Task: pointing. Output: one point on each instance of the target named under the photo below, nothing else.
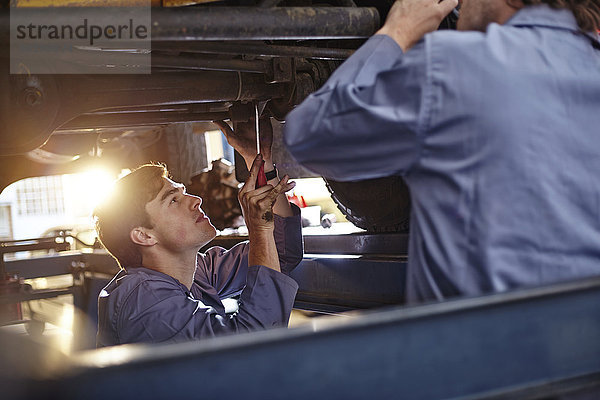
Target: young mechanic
(494, 128)
(169, 292)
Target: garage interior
(351, 335)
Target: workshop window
(41, 195)
(5, 222)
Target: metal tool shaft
(256, 128)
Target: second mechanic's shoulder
(495, 43)
(452, 42)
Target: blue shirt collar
(544, 15)
(155, 273)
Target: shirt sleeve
(288, 239)
(160, 311)
(225, 270)
(364, 122)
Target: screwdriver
(261, 180)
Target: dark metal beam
(365, 244)
(359, 244)
(113, 91)
(40, 294)
(67, 98)
(197, 63)
(62, 263)
(257, 23)
(15, 246)
(255, 49)
(101, 61)
(139, 119)
(234, 23)
(542, 341)
(341, 282)
(47, 243)
(43, 266)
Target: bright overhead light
(87, 189)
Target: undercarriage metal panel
(536, 342)
(365, 244)
(341, 283)
(255, 49)
(62, 263)
(395, 244)
(337, 279)
(346, 272)
(63, 98)
(36, 105)
(276, 23)
(237, 23)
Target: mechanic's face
(179, 223)
(476, 15)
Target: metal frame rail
(524, 344)
(338, 272)
(347, 272)
(14, 246)
(84, 267)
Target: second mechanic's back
(496, 135)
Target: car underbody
(209, 62)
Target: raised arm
(226, 270)
(365, 121)
(287, 224)
(244, 141)
(257, 208)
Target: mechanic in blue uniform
(494, 127)
(169, 292)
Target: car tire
(376, 205)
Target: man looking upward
(167, 291)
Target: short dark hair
(587, 12)
(125, 208)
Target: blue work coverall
(497, 135)
(144, 305)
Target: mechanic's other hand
(257, 204)
(409, 20)
(244, 138)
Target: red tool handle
(261, 180)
